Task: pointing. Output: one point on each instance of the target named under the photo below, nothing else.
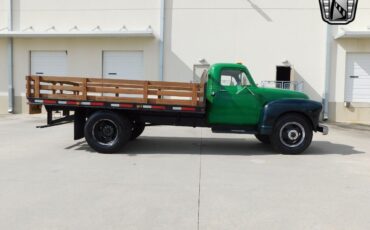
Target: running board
(234, 130)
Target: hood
(272, 94)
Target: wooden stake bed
(81, 91)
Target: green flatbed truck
(227, 100)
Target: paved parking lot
(180, 178)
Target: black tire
(107, 132)
(265, 139)
(137, 129)
(292, 134)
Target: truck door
(234, 103)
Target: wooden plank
(117, 94)
(116, 99)
(60, 87)
(90, 84)
(113, 90)
(188, 88)
(84, 89)
(69, 83)
(28, 86)
(32, 77)
(37, 87)
(158, 93)
(62, 79)
(170, 102)
(195, 95)
(145, 96)
(54, 91)
(61, 96)
(116, 81)
(170, 93)
(168, 83)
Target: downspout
(161, 41)
(327, 71)
(10, 61)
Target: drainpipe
(327, 71)
(161, 40)
(10, 61)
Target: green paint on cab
(233, 98)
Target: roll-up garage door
(123, 65)
(358, 77)
(51, 63)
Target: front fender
(272, 111)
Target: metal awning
(353, 34)
(34, 34)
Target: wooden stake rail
(109, 90)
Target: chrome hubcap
(292, 134)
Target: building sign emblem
(338, 12)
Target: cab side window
(234, 78)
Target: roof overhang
(353, 34)
(89, 34)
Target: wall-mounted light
(286, 63)
(203, 61)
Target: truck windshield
(234, 78)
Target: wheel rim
(292, 134)
(105, 132)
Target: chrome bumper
(323, 129)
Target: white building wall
(261, 34)
(85, 14)
(4, 14)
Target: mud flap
(79, 124)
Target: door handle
(39, 73)
(354, 76)
(214, 93)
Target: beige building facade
(123, 38)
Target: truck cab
(236, 104)
(234, 98)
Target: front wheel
(292, 134)
(107, 132)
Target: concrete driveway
(180, 178)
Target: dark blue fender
(275, 109)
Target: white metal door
(123, 65)
(52, 63)
(358, 77)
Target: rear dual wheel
(108, 132)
